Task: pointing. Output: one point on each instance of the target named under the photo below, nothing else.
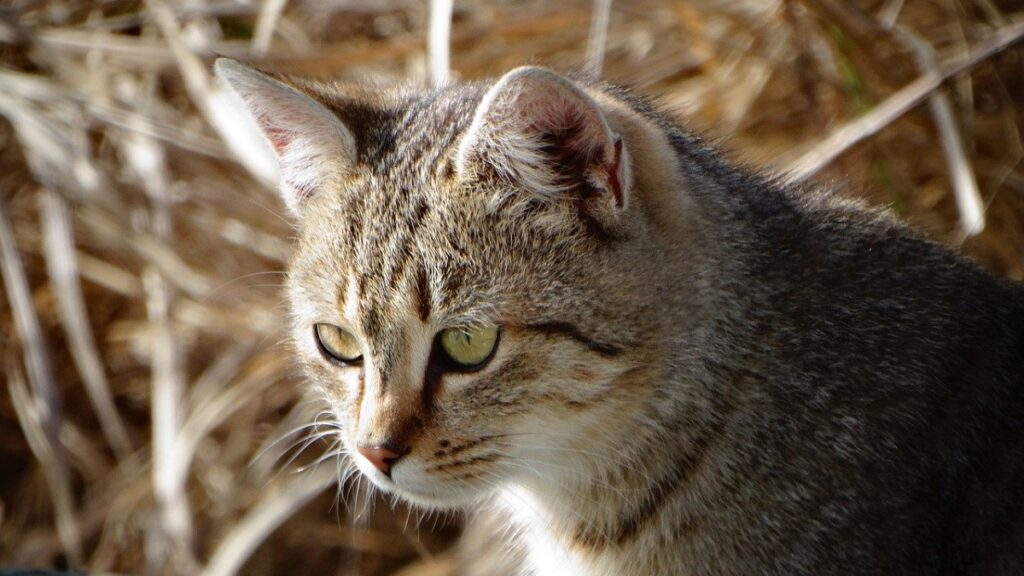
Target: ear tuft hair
(313, 147)
(540, 131)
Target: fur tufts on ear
(540, 131)
(312, 146)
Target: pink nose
(382, 457)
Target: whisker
(285, 435)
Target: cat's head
(472, 285)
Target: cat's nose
(383, 457)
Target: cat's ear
(542, 132)
(313, 147)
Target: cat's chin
(426, 494)
(436, 500)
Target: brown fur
(699, 371)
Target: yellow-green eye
(337, 344)
(469, 347)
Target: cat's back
(896, 370)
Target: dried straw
(141, 238)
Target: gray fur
(726, 376)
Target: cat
(538, 297)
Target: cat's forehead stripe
(423, 295)
(420, 137)
(391, 255)
(426, 132)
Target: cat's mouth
(411, 481)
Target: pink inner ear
(279, 136)
(577, 139)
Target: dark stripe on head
(422, 208)
(404, 235)
(423, 295)
(356, 211)
(569, 330)
(342, 296)
(364, 280)
(455, 279)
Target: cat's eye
(337, 344)
(469, 348)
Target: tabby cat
(539, 298)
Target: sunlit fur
(712, 375)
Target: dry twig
(842, 139)
(63, 270)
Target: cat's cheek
(346, 392)
(338, 388)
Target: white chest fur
(545, 554)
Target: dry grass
(151, 407)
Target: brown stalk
(63, 269)
(820, 154)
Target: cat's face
(463, 314)
(475, 352)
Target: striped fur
(699, 371)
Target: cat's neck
(596, 530)
(647, 468)
(601, 520)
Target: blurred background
(150, 421)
